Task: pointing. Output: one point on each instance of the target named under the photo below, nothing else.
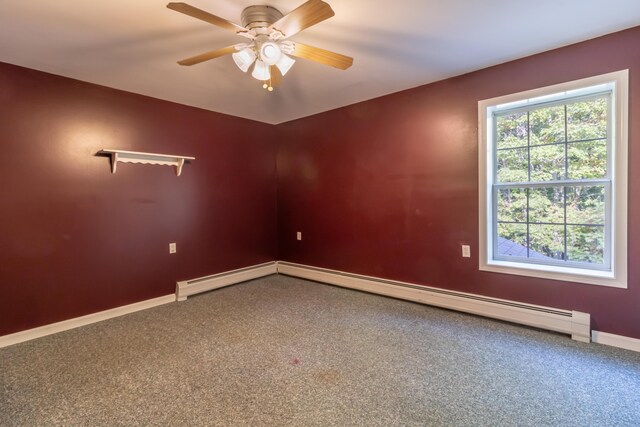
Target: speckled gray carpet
(283, 351)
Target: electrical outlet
(466, 251)
(172, 248)
(299, 235)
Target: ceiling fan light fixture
(261, 71)
(244, 58)
(268, 31)
(270, 53)
(285, 63)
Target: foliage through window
(553, 170)
(551, 186)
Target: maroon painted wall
(389, 187)
(75, 239)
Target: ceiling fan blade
(308, 14)
(208, 55)
(322, 56)
(276, 76)
(194, 12)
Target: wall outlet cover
(466, 251)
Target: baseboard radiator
(187, 288)
(574, 323)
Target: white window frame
(617, 158)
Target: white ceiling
(133, 45)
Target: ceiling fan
(268, 49)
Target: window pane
(586, 205)
(587, 119)
(512, 130)
(547, 240)
(547, 163)
(587, 159)
(552, 179)
(546, 205)
(512, 204)
(585, 244)
(547, 125)
(512, 165)
(512, 240)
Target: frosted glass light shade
(244, 58)
(285, 63)
(261, 71)
(270, 53)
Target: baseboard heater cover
(574, 323)
(187, 288)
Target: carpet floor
(284, 351)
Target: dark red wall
(389, 187)
(75, 239)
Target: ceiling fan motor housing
(259, 16)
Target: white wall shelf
(145, 158)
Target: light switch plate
(299, 235)
(172, 248)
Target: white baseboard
(613, 340)
(184, 289)
(187, 288)
(65, 325)
(574, 323)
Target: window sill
(591, 277)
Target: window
(553, 182)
